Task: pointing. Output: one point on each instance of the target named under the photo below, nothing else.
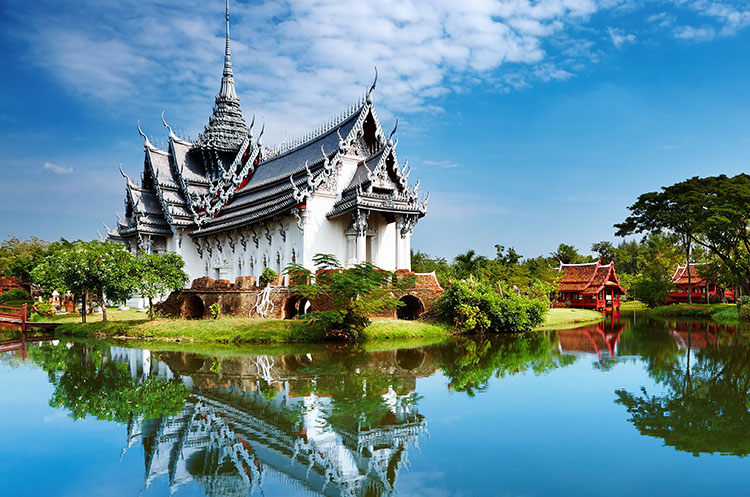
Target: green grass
(394, 329)
(113, 314)
(570, 318)
(716, 312)
(133, 325)
(633, 305)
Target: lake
(632, 406)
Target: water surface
(629, 407)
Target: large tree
(712, 212)
(96, 269)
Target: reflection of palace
(238, 427)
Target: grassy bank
(133, 325)
(227, 329)
(716, 312)
(633, 305)
(570, 318)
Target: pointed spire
(227, 79)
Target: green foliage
(470, 362)
(711, 213)
(215, 310)
(158, 275)
(14, 294)
(95, 268)
(87, 384)
(344, 297)
(605, 250)
(267, 276)
(651, 291)
(476, 307)
(18, 257)
(568, 254)
(43, 308)
(702, 400)
(215, 366)
(743, 308)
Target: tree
(91, 268)
(346, 297)
(702, 403)
(468, 264)
(605, 250)
(568, 254)
(159, 274)
(712, 212)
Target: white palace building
(232, 207)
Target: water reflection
(703, 407)
(341, 420)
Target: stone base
(242, 297)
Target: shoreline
(719, 313)
(131, 326)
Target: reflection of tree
(705, 406)
(470, 362)
(87, 383)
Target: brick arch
(412, 308)
(193, 307)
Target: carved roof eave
(157, 186)
(225, 186)
(379, 203)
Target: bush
(215, 310)
(267, 276)
(652, 292)
(43, 309)
(473, 307)
(15, 294)
(743, 308)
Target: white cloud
(619, 37)
(691, 33)
(297, 62)
(445, 164)
(57, 169)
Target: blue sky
(530, 122)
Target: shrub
(44, 309)
(267, 276)
(743, 307)
(473, 307)
(653, 292)
(15, 294)
(215, 310)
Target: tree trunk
(104, 306)
(83, 306)
(150, 309)
(690, 276)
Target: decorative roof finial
(146, 142)
(227, 80)
(368, 98)
(125, 175)
(390, 137)
(172, 136)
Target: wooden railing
(17, 314)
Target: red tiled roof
(587, 278)
(680, 276)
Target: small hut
(589, 286)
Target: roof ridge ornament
(390, 137)
(368, 96)
(172, 136)
(146, 142)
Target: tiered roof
(589, 278)
(227, 179)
